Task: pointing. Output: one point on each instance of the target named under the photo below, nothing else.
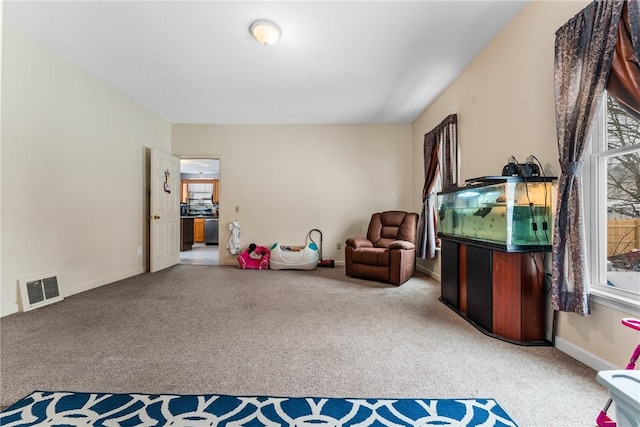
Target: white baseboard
(8, 309)
(105, 281)
(591, 360)
(234, 263)
(66, 292)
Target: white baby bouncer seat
(284, 257)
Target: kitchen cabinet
(216, 191)
(198, 230)
(199, 186)
(184, 192)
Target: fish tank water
(506, 212)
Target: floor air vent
(39, 291)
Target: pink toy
(603, 419)
(254, 257)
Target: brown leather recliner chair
(388, 254)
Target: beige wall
(601, 335)
(73, 172)
(288, 179)
(1, 33)
(505, 106)
(74, 161)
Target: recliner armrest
(359, 242)
(401, 244)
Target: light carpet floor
(209, 329)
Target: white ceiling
(336, 62)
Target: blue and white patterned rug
(43, 408)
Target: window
(612, 208)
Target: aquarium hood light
(469, 194)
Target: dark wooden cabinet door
(186, 234)
(479, 286)
(449, 273)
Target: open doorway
(199, 211)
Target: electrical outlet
(338, 246)
(139, 250)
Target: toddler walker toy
(328, 263)
(603, 420)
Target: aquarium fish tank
(510, 213)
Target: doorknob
(154, 217)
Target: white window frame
(595, 215)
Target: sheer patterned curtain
(440, 160)
(583, 55)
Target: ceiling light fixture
(265, 31)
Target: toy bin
(624, 389)
(285, 257)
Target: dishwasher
(211, 231)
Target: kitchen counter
(198, 229)
(186, 233)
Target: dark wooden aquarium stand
(501, 293)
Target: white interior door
(165, 211)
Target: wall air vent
(38, 291)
